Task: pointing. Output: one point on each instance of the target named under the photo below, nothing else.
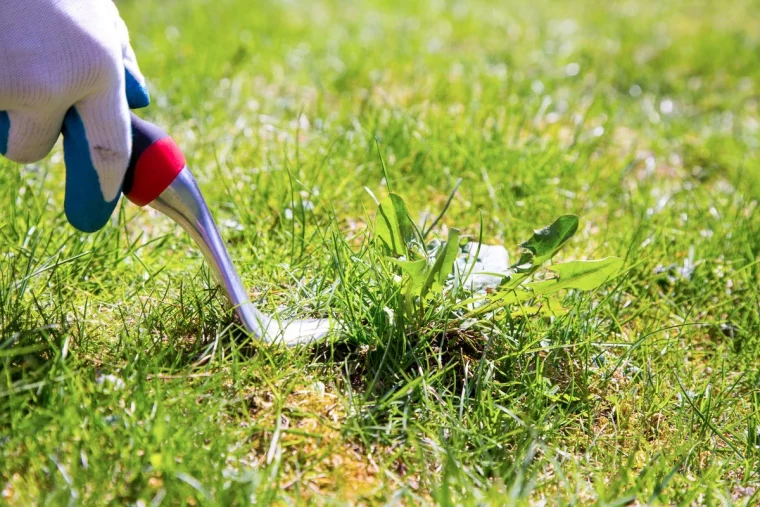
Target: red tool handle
(156, 161)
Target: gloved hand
(66, 65)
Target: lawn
(123, 378)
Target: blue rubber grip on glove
(5, 128)
(84, 204)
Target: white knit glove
(67, 64)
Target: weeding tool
(158, 177)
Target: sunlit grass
(124, 379)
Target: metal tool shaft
(183, 202)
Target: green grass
(123, 379)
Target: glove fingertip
(84, 205)
(5, 128)
(137, 94)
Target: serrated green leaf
(547, 241)
(393, 226)
(583, 275)
(587, 275)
